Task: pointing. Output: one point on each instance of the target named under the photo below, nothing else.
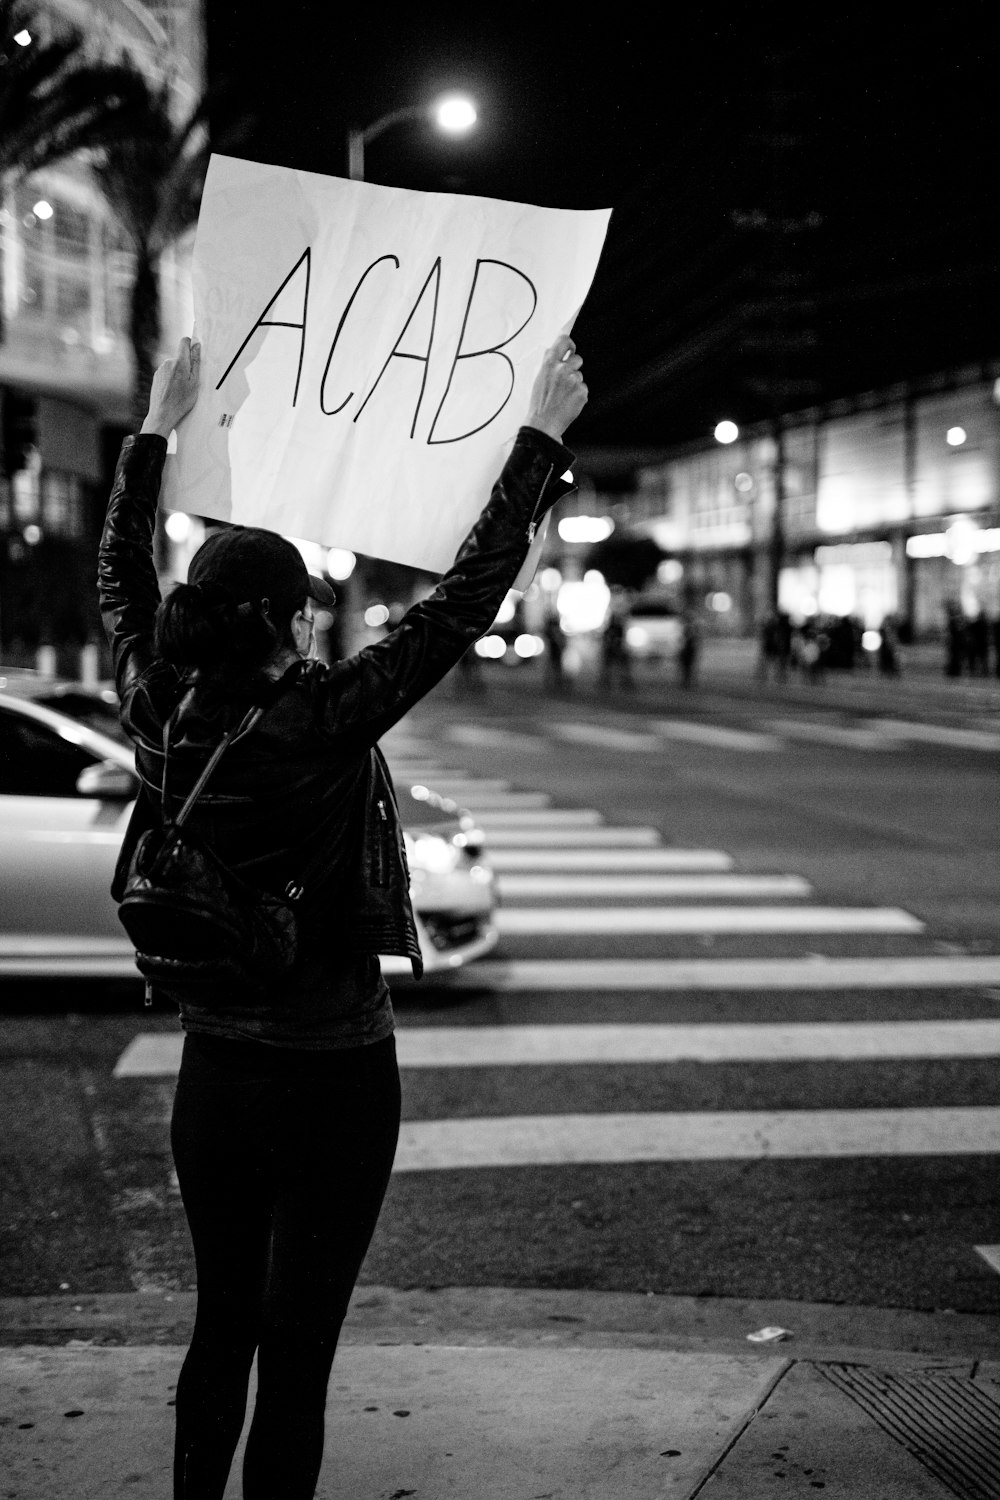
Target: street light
(726, 432)
(453, 113)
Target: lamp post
(452, 113)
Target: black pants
(283, 1159)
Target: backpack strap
(296, 886)
(247, 723)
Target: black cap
(255, 564)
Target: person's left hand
(174, 390)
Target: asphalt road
(874, 819)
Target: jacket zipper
(380, 842)
(533, 523)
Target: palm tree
(54, 100)
(152, 180)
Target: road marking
(927, 972)
(589, 837)
(77, 836)
(990, 1254)
(549, 817)
(610, 859)
(158, 1054)
(492, 736)
(589, 921)
(715, 735)
(463, 784)
(555, 886)
(606, 739)
(554, 1140)
(935, 734)
(515, 1046)
(46, 945)
(829, 734)
(429, 775)
(490, 802)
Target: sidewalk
(729, 666)
(492, 1394)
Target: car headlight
(432, 854)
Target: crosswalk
(771, 736)
(568, 876)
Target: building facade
(66, 370)
(889, 506)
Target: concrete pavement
(501, 1394)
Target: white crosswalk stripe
(923, 972)
(549, 817)
(715, 735)
(557, 1140)
(553, 886)
(935, 734)
(521, 835)
(493, 737)
(557, 860)
(650, 735)
(586, 921)
(605, 738)
(504, 804)
(155, 1055)
(842, 736)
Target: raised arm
(372, 690)
(126, 577)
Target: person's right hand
(174, 389)
(559, 393)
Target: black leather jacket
(308, 785)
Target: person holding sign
(287, 1106)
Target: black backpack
(194, 922)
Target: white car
(67, 783)
(654, 631)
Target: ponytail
(201, 625)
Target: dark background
(803, 208)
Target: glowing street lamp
(726, 432)
(452, 113)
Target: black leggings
(283, 1159)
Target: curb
(523, 1317)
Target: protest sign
(368, 354)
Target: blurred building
(66, 371)
(891, 506)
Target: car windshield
(92, 709)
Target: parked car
(67, 784)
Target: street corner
(81, 1420)
(506, 1422)
(855, 1431)
(434, 1419)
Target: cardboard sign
(368, 354)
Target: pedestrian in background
(616, 659)
(775, 646)
(555, 647)
(888, 648)
(955, 647)
(690, 647)
(287, 1105)
(977, 644)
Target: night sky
(799, 213)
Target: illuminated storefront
(890, 507)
